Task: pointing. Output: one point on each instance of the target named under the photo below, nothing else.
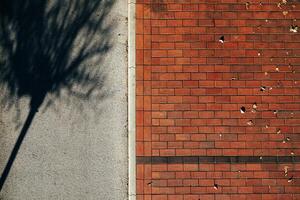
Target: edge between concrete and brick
(131, 102)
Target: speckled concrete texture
(75, 148)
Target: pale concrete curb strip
(131, 102)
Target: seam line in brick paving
(216, 159)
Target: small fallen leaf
(278, 131)
(263, 88)
(286, 169)
(285, 13)
(243, 110)
(279, 5)
(285, 140)
(222, 39)
(216, 186)
(250, 122)
(294, 28)
(277, 69)
(247, 5)
(254, 107)
(290, 179)
(275, 112)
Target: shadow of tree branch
(43, 48)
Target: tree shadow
(44, 46)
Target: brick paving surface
(218, 99)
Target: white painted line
(131, 102)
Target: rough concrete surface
(74, 149)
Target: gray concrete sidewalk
(74, 149)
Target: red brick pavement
(218, 120)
